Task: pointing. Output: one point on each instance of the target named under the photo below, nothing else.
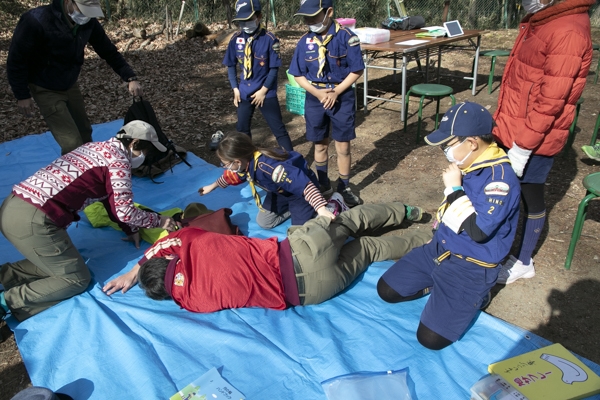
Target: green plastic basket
(294, 99)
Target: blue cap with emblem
(245, 9)
(310, 8)
(463, 119)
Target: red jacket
(544, 77)
(217, 272)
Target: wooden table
(434, 46)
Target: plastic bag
(386, 385)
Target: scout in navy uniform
(476, 225)
(257, 52)
(290, 184)
(326, 63)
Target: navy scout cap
(245, 9)
(310, 8)
(463, 119)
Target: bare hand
(236, 97)
(122, 282)
(329, 99)
(135, 88)
(258, 98)
(26, 107)
(324, 212)
(452, 176)
(207, 189)
(135, 238)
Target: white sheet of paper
(412, 42)
(433, 28)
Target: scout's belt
(446, 254)
(324, 85)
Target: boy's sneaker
(487, 299)
(413, 213)
(336, 204)
(350, 198)
(215, 139)
(514, 269)
(326, 190)
(592, 152)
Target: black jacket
(48, 51)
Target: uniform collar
(493, 155)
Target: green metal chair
(596, 47)
(493, 54)
(592, 185)
(595, 133)
(571, 138)
(427, 90)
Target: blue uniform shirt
(495, 193)
(265, 54)
(343, 56)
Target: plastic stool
(571, 138)
(493, 54)
(596, 47)
(427, 90)
(592, 184)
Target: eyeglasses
(446, 145)
(227, 165)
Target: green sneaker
(413, 213)
(592, 152)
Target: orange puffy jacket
(544, 77)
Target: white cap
(141, 130)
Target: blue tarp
(127, 346)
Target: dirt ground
(187, 85)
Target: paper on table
(412, 42)
(433, 28)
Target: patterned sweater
(96, 171)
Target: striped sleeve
(314, 196)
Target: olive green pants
(53, 269)
(329, 264)
(64, 112)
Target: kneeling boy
(474, 231)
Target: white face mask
(449, 152)
(137, 161)
(320, 27)
(533, 6)
(78, 17)
(249, 27)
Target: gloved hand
(518, 158)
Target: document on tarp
(209, 386)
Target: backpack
(156, 161)
(403, 23)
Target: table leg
(475, 65)
(426, 65)
(439, 77)
(402, 108)
(365, 82)
(395, 63)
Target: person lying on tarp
(205, 272)
(34, 218)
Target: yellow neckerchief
(248, 52)
(323, 49)
(251, 181)
(493, 155)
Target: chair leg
(437, 112)
(453, 99)
(420, 117)
(571, 137)
(597, 70)
(406, 109)
(595, 133)
(491, 77)
(581, 212)
(472, 72)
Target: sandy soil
(188, 87)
